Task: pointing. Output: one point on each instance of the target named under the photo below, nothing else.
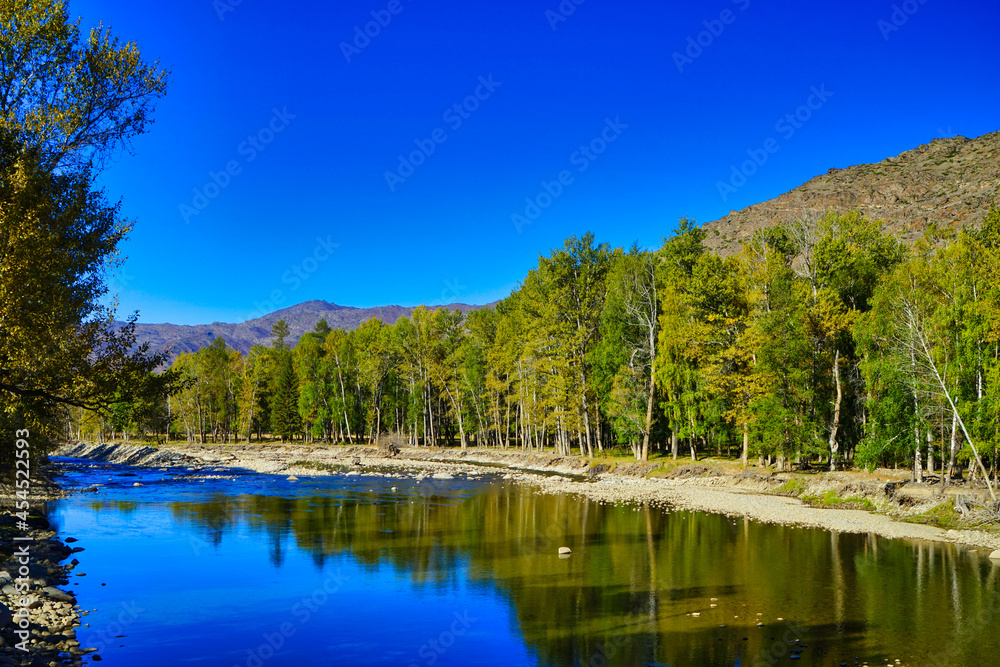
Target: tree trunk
(950, 469)
(745, 458)
(930, 452)
(961, 422)
(835, 426)
(918, 470)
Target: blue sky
(273, 173)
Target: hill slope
(300, 318)
(946, 182)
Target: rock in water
(995, 555)
(292, 478)
(56, 594)
(565, 550)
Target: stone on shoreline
(56, 594)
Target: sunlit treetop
(73, 97)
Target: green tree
(377, 356)
(630, 326)
(285, 392)
(63, 107)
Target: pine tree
(285, 401)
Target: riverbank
(53, 615)
(823, 500)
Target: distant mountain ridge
(178, 338)
(947, 182)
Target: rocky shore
(33, 557)
(832, 499)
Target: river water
(343, 570)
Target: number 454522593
(23, 468)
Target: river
(346, 570)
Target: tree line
(829, 343)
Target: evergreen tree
(285, 399)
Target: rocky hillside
(947, 182)
(301, 318)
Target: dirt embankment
(885, 503)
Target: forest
(826, 343)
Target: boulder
(56, 594)
(565, 550)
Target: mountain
(300, 318)
(948, 182)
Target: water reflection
(646, 586)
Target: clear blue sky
(309, 213)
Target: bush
(390, 444)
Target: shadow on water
(643, 587)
